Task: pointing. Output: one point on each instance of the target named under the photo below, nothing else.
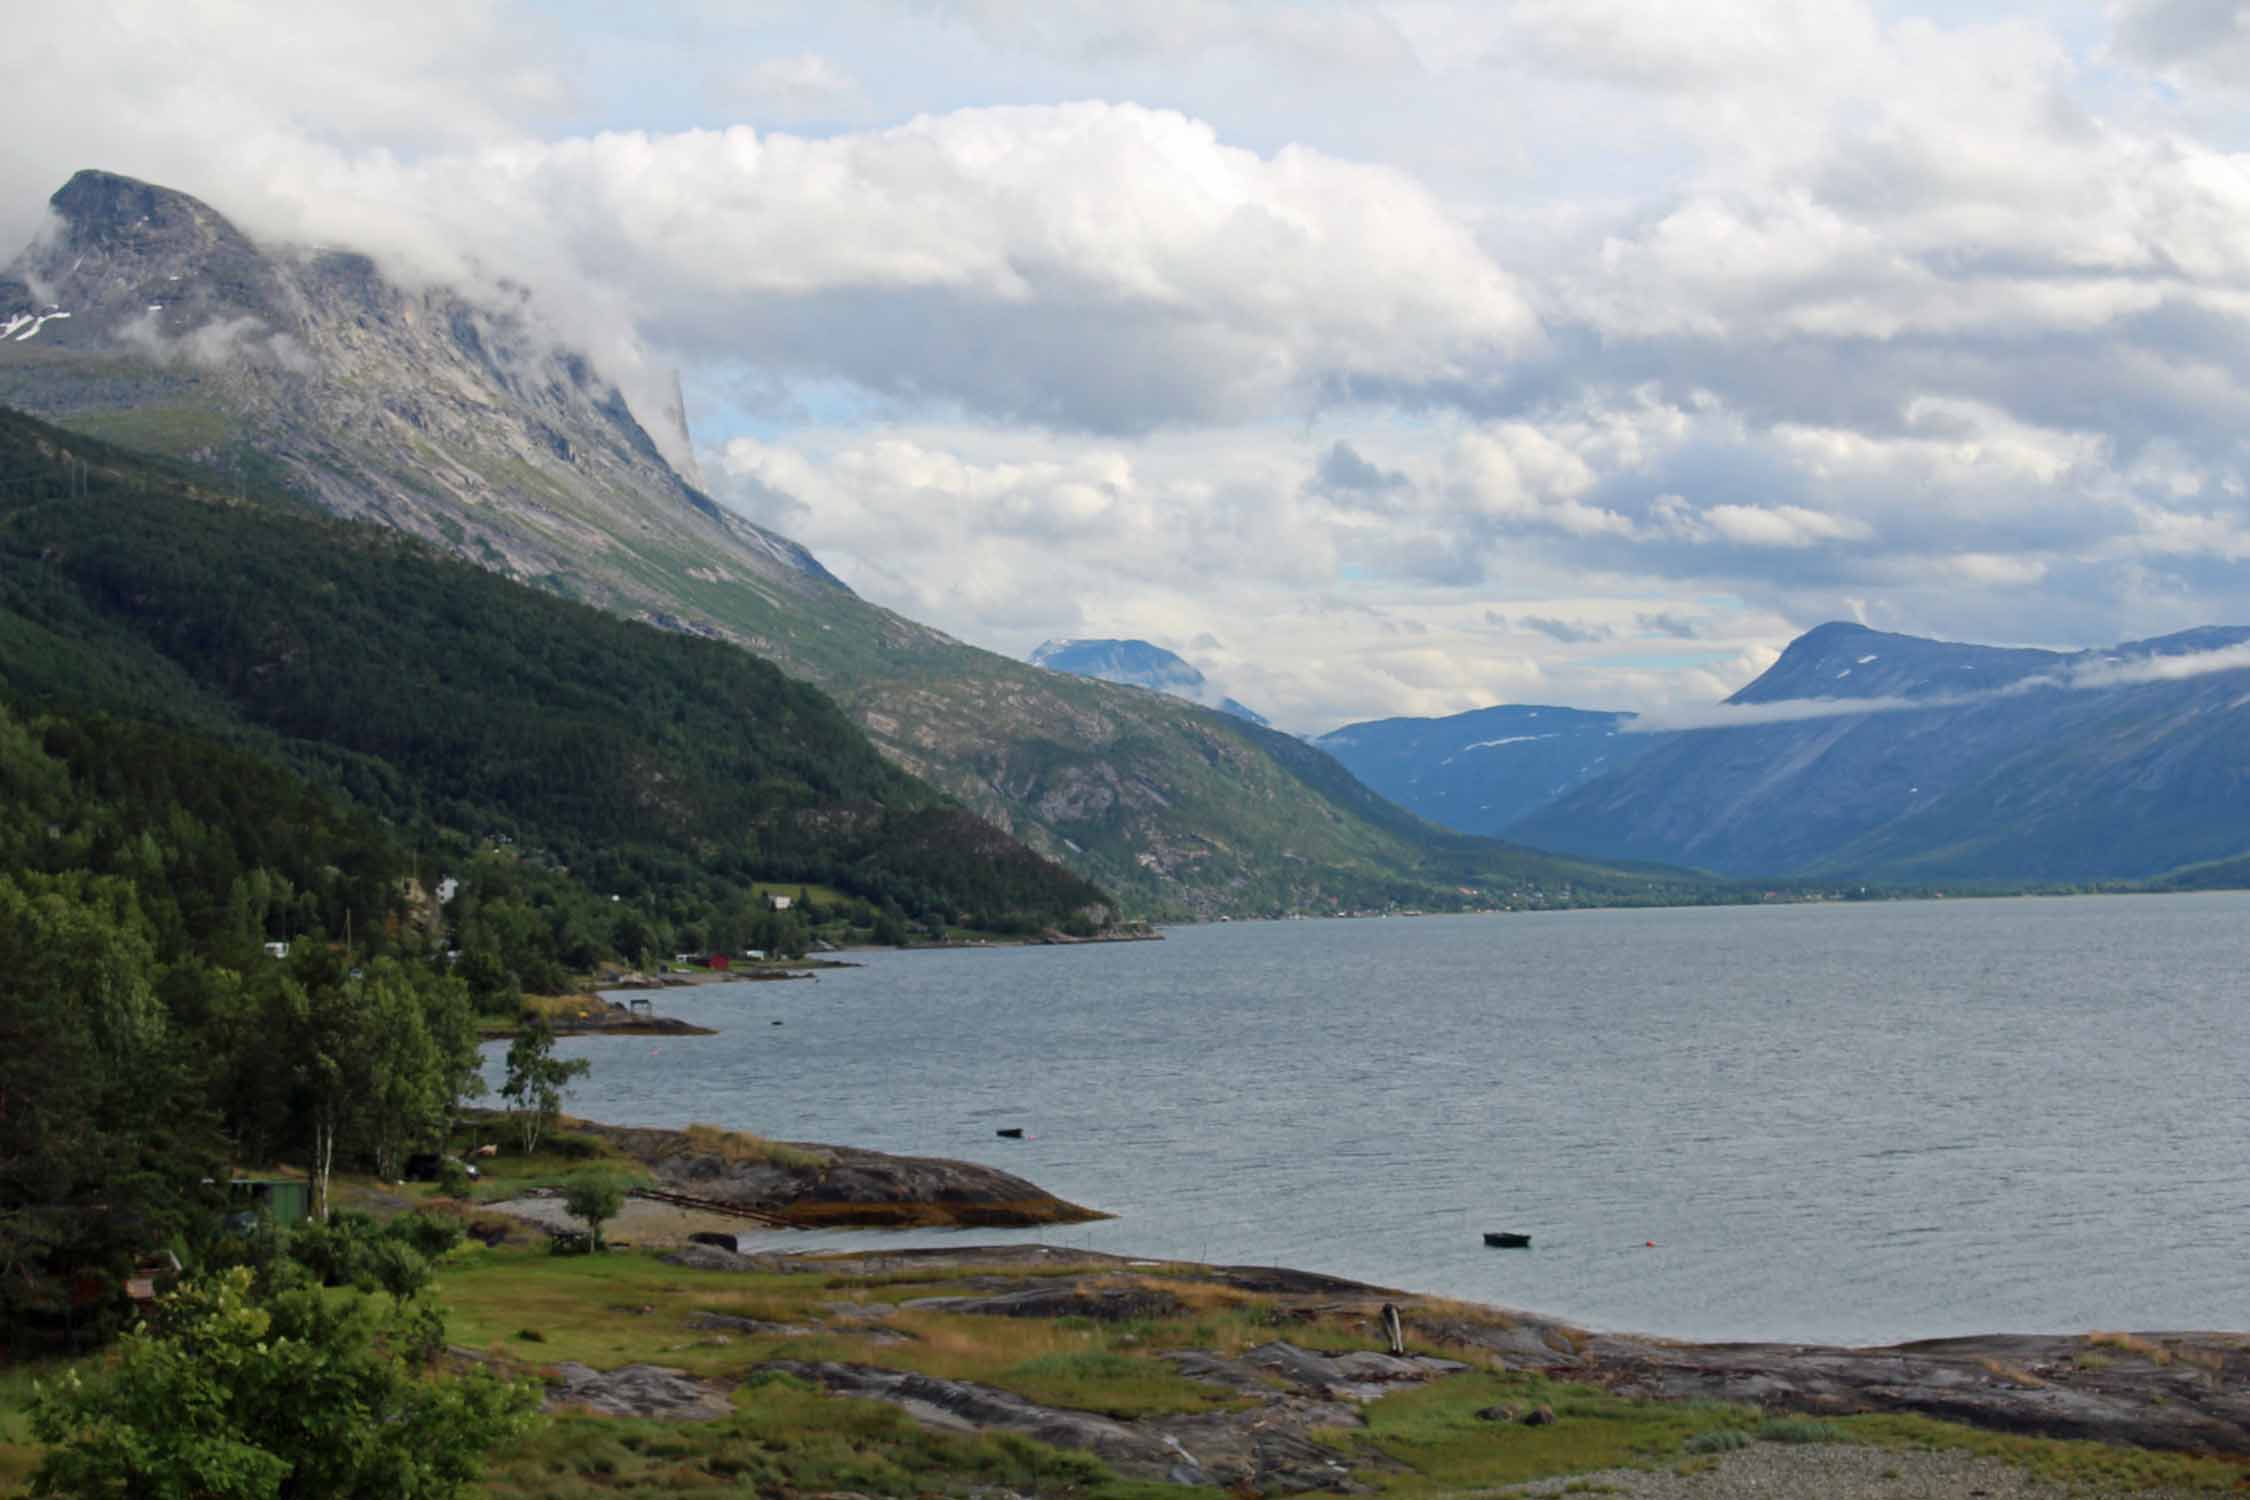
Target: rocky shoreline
(2179, 1391)
(807, 1185)
(1285, 1409)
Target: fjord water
(1842, 1123)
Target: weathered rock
(1265, 1451)
(1363, 1375)
(712, 1258)
(711, 1322)
(1539, 1416)
(959, 1406)
(816, 1186)
(637, 1391)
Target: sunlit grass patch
(1077, 1366)
(2132, 1343)
(1435, 1432)
(742, 1146)
(583, 1307)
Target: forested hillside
(664, 769)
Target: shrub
(302, 1394)
(1798, 1430)
(453, 1179)
(430, 1234)
(1718, 1440)
(336, 1252)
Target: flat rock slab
(1359, 1376)
(961, 1406)
(1266, 1451)
(654, 1391)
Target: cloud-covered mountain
(1866, 753)
(1140, 664)
(145, 317)
(1483, 770)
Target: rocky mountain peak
(146, 305)
(103, 208)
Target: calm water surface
(1839, 1123)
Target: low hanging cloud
(2074, 675)
(1568, 632)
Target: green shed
(285, 1200)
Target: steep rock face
(1967, 761)
(451, 421)
(1480, 771)
(145, 318)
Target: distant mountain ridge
(1896, 757)
(1481, 771)
(1139, 664)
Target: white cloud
(803, 87)
(1206, 316)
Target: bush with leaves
(594, 1198)
(431, 1234)
(453, 1179)
(304, 1395)
(337, 1250)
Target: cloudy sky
(1380, 358)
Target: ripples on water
(1858, 1123)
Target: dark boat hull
(1508, 1241)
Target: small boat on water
(1506, 1241)
(1013, 1132)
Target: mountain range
(1869, 754)
(143, 316)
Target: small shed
(717, 961)
(285, 1200)
(780, 902)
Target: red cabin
(718, 961)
